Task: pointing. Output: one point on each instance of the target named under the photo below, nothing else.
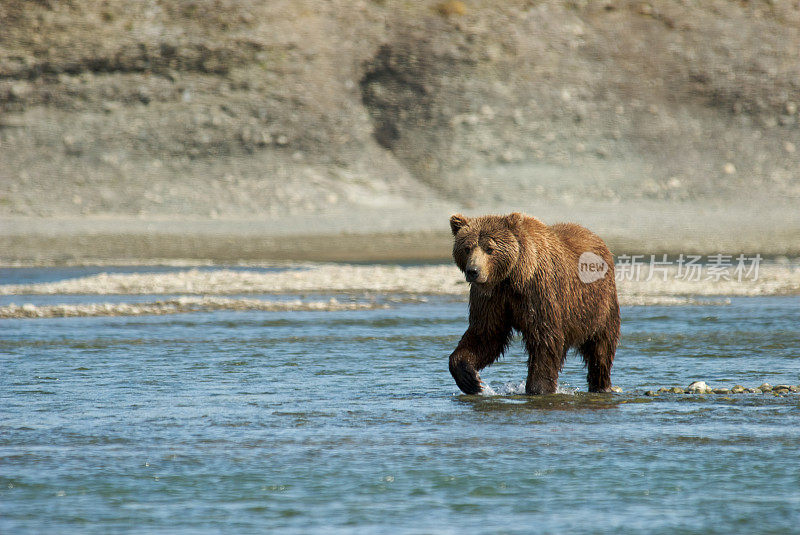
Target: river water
(347, 421)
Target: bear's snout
(476, 268)
(476, 274)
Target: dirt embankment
(372, 116)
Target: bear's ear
(514, 219)
(456, 222)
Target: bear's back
(578, 240)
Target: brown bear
(554, 284)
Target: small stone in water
(752, 390)
(697, 387)
(766, 387)
(616, 389)
(780, 390)
(738, 389)
(651, 393)
(722, 390)
(663, 389)
(676, 390)
(757, 391)
(782, 387)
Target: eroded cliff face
(242, 108)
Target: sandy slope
(210, 129)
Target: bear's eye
(489, 250)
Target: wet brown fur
(527, 280)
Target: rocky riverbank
(700, 387)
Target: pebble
(616, 389)
(722, 390)
(697, 387)
(738, 389)
(676, 390)
(651, 393)
(766, 387)
(20, 90)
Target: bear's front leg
(464, 372)
(545, 358)
(475, 351)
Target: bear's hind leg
(599, 357)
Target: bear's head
(486, 248)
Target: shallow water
(348, 422)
